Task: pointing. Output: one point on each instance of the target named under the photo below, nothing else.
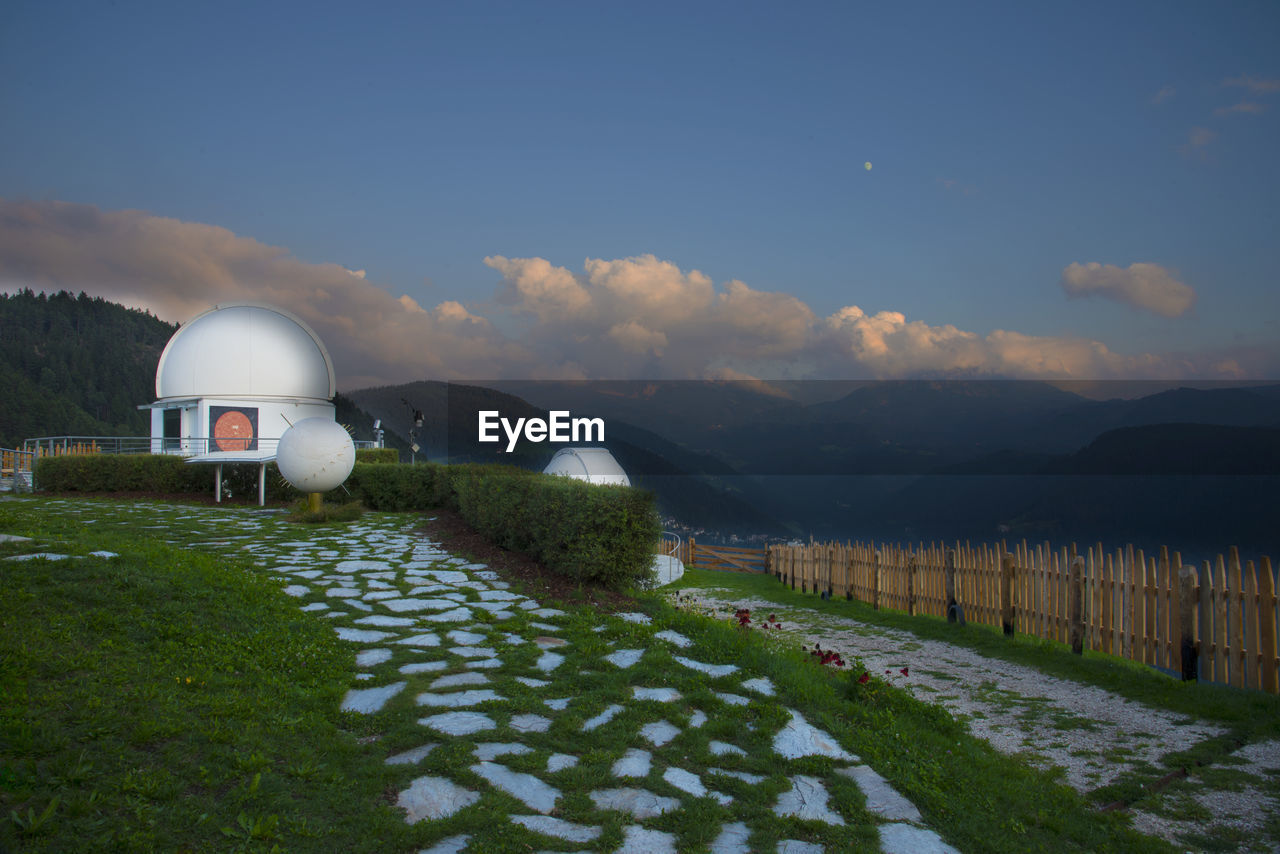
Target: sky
(625, 190)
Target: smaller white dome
(594, 465)
(245, 350)
(316, 455)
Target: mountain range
(1196, 467)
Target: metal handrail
(673, 549)
(185, 446)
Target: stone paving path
(476, 657)
(1091, 734)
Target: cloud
(629, 318)
(1163, 95)
(1146, 286)
(1246, 107)
(1257, 85)
(1199, 137)
(177, 269)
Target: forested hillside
(80, 365)
(75, 365)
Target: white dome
(594, 465)
(245, 350)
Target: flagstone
(379, 595)
(359, 635)
(296, 590)
(370, 700)
(544, 642)
(560, 761)
(451, 845)
(423, 667)
(659, 733)
(531, 682)
(640, 803)
(482, 663)
(713, 670)
(526, 788)
(733, 839)
(796, 846)
(342, 592)
(530, 723)
(458, 699)
(753, 779)
(721, 748)
(473, 651)
(732, 699)
(412, 604)
(882, 798)
(624, 657)
(662, 695)
(384, 620)
(697, 719)
(546, 627)
(760, 685)
(424, 639)
(685, 781)
(499, 596)
(359, 565)
(674, 637)
(493, 749)
(358, 604)
(372, 657)
(457, 615)
(557, 827)
(412, 756)
(634, 763)
(434, 798)
(634, 617)
(461, 636)
(800, 738)
(807, 800)
(548, 612)
(601, 719)
(458, 723)
(458, 680)
(316, 606)
(549, 661)
(642, 840)
(907, 839)
(558, 704)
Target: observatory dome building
(594, 465)
(233, 378)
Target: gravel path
(1091, 734)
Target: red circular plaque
(232, 432)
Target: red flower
(772, 618)
(864, 678)
(904, 672)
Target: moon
(867, 165)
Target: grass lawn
(1247, 716)
(173, 698)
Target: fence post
(954, 614)
(1187, 621)
(1267, 628)
(911, 585)
(1006, 594)
(1075, 605)
(692, 552)
(875, 582)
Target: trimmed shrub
(121, 473)
(377, 455)
(591, 534)
(598, 534)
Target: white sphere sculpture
(316, 455)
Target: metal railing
(187, 446)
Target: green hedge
(377, 455)
(597, 534)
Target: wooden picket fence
(732, 558)
(1216, 622)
